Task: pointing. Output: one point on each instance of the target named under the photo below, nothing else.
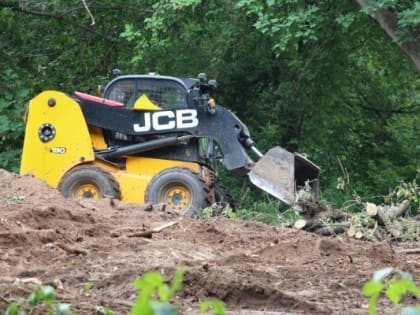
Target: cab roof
(188, 83)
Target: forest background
(337, 80)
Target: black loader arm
(223, 126)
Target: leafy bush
(13, 99)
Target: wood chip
(358, 235)
(299, 224)
(351, 232)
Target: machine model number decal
(58, 150)
(167, 120)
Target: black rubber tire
(222, 195)
(105, 184)
(157, 190)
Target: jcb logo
(167, 120)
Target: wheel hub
(87, 191)
(178, 197)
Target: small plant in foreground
(152, 285)
(265, 211)
(42, 299)
(395, 284)
(154, 296)
(217, 210)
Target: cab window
(167, 94)
(122, 91)
(166, 97)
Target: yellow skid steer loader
(152, 138)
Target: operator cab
(165, 92)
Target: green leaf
(372, 304)
(141, 309)
(153, 279)
(108, 311)
(164, 293)
(395, 292)
(146, 285)
(48, 294)
(35, 298)
(372, 287)
(345, 20)
(176, 283)
(12, 309)
(410, 286)
(88, 286)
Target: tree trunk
(389, 23)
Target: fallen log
(397, 210)
(386, 216)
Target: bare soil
(252, 267)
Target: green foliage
(263, 211)
(13, 98)
(154, 296)
(409, 190)
(395, 285)
(407, 14)
(153, 285)
(288, 22)
(216, 210)
(410, 17)
(154, 35)
(88, 286)
(41, 300)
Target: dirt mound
(106, 245)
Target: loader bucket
(281, 173)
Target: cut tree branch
(89, 12)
